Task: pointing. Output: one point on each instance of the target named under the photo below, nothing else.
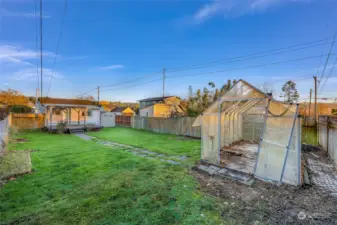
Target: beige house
(323, 108)
(75, 113)
(166, 106)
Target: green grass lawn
(163, 143)
(81, 182)
(309, 135)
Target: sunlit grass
(82, 182)
(163, 143)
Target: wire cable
(86, 92)
(150, 81)
(219, 71)
(235, 59)
(330, 73)
(245, 58)
(327, 60)
(58, 43)
(249, 67)
(232, 60)
(254, 54)
(41, 48)
(36, 45)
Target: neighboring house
(161, 106)
(69, 111)
(323, 108)
(125, 111)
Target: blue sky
(110, 42)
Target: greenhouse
(248, 131)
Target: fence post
(327, 135)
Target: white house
(75, 113)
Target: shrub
(61, 127)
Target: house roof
(66, 101)
(118, 109)
(156, 98)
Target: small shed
(247, 130)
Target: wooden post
(78, 116)
(85, 115)
(327, 135)
(315, 108)
(68, 117)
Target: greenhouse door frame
(287, 147)
(233, 99)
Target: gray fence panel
(178, 126)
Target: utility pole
(315, 108)
(41, 56)
(98, 94)
(310, 102)
(164, 70)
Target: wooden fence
(23, 121)
(177, 126)
(327, 132)
(123, 120)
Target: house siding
(62, 117)
(148, 111)
(162, 110)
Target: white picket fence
(4, 132)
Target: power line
(41, 48)
(249, 67)
(131, 80)
(58, 43)
(36, 45)
(330, 73)
(261, 65)
(86, 92)
(232, 60)
(150, 81)
(250, 55)
(327, 59)
(235, 59)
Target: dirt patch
(14, 163)
(264, 203)
(21, 140)
(183, 138)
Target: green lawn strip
(163, 143)
(80, 182)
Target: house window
(147, 113)
(89, 113)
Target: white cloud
(9, 13)
(30, 74)
(236, 8)
(111, 67)
(16, 55)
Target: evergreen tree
(290, 92)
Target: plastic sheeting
(210, 138)
(279, 150)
